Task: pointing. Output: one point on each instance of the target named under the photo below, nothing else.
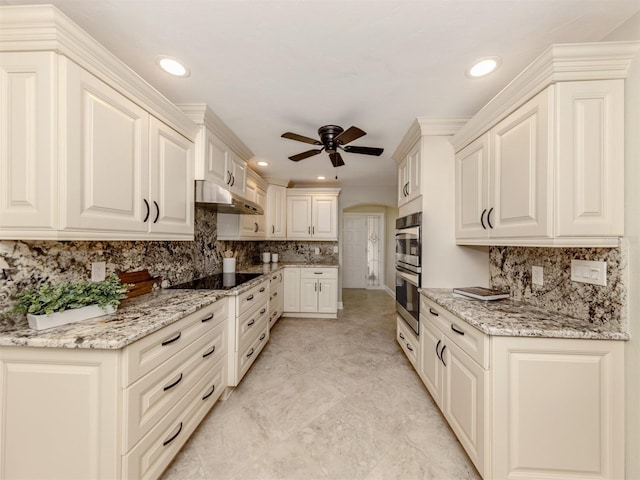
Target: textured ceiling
(266, 67)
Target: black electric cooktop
(220, 281)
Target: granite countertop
(511, 318)
(136, 317)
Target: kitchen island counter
(512, 318)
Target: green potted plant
(54, 305)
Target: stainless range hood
(214, 197)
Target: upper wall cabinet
(276, 221)
(548, 169)
(409, 176)
(92, 152)
(312, 213)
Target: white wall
(630, 30)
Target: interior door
(355, 251)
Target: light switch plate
(98, 271)
(587, 271)
(537, 275)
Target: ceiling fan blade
(364, 150)
(336, 159)
(303, 155)
(349, 135)
(300, 138)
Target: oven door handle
(408, 276)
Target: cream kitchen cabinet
(311, 292)
(131, 410)
(409, 181)
(526, 407)
(276, 297)
(408, 341)
(246, 227)
(312, 214)
(547, 168)
(291, 290)
(84, 158)
(276, 217)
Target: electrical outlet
(335, 249)
(317, 251)
(98, 271)
(586, 271)
(537, 275)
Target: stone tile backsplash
(510, 269)
(24, 263)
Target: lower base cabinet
(526, 407)
(311, 292)
(108, 414)
(276, 297)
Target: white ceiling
(271, 66)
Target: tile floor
(327, 399)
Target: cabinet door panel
(308, 295)
(472, 189)
(324, 223)
(299, 216)
(215, 153)
(518, 171)
(28, 152)
(430, 364)
(171, 180)
(590, 158)
(327, 295)
(276, 212)
(291, 290)
(107, 142)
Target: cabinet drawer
(249, 323)
(471, 340)
(249, 299)
(147, 353)
(318, 273)
(407, 340)
(151, 397)
(247, 355)
(155, 451)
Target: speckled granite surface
(513, 318)
(136, 317)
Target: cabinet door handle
(250, 353)
(489, 218)
(255, 228)
(315, 287)
(262, 336)
(213, 389)
(173, 437)
(249, 298)
(313, 230)
(433, 312)
(457, 330)
(401, 336)
(437, 352)
(229, 179)
(442, 355)
(146, 216)
(171, 340)
(275, 294)
(482, 219)
(409, 347)
(273, 229)
(205, 355)
(320, 284)
(251, 322)
(157, 212)
(233, 180)
(168, 387)
(206, 319)
(309, 230)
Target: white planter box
(41, 322)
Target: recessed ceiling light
(321, 177)
(483, 66)
(172, 66)
(262, 163)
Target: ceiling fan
(332, 139)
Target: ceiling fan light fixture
(172, 66)
(483, 66)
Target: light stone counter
(136, 317)
(511, 318)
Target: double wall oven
(408, 268)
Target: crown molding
(558, 63)
(33, 28)
(425, 126)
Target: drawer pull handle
(173, 437)
(171, 340)
(401, 336)
(442, 355)
(274, 277)
(251, 322)
(206, 319)
(317, 273)
(249, 298)
(262, 290)
(168, 387)
(457, 330)
(433, 312)
(250, 353)
(437, 352)
(213, 389)
(262, 336)
(262, 311)
(409, 347)
(275, 294)
(205, 355)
